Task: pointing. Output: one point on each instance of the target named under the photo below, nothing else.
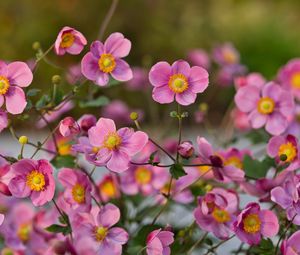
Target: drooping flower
(270, 106)
(159, 241)
(216, 212)
(114, 148)
(285, 150)
(3, 120)
(179, 81)
(69, 40)
(226, 54)
(77, 188)
(222, 171)
(34, 179)
(291, 246)
(99, 232)
(289, 77)
(253, 223)
(105, 59)
(68, 126)
(14, 77)
(199, 57)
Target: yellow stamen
(95, 149)
(100, 233)
(112, 141)
(265, 105)
(35, 180)
(203, 169)
(289, 150)
(108, 188)
(4, 85)
(78, 193)
(142, 175)
(229, 57)
(64, 147)
(295, 80)
(67, 40)
(178, 83)
(220, 215)
(252, 223)
(107, 63)
(233, 161)
(24, 232)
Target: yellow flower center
(108, 188)
(233, 161)
(229, 57)
(107, 63)
(203, 169)
(289, 150)
(35, 180)
(142, 175)
(266, 105)
(295, 80)
(7, 251)
(220, 215)
(178, 83)
(4, 85)
(67, 40)
(100, 233)
(78, 193)
(252, 223)
(95, 149)
(112, 141)
(24, 232)
(64, 147)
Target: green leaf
(100, 101)
(55, 228)
(255, 168)
(42, 102)
(32, 92)
(63, 161)
(177, 171)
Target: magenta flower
(253, 79)
(3, 120)
(289, 77)
(68, 126)
(13, 77)
(222, 171)
(99, 232)
(216, 210)
(86, 121)
(34, 179)
(115, 147)
(186, 149)
(158, 242)
(106, 59)
(179, 81)
(291, 246)
(69, 40)
(253, 223)
(285, 150)
(270, 106)
(77, 188)
(199, 57)
(226, 54)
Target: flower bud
(86, 121)
(185, 149)
(134, 116)
(23, 139)
(56, 79)
(36, 46)
(68, 126)
(203, 107)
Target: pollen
(64, 147)
(67, 40)
(265, 105)
(107, 63)
(108, 188)
(252, 223)
(35, 180)
(220, 215)
(4, 85)
(295, 80)
(143, 175)
(24, 232)
(100, 233)
(178, 83)
(289, 150)
(78, 193)
(112, 141)
(233, 161)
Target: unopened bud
(36, 46)
(203, 107)
(23, 139)
(134, 116)
(56, 79)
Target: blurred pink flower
(86, 121)
(3, 120)
(158, 242)
(186, 149)
(109, 187)
(74, 74)
(199, 57)
(291, 246)
(68, 127)
(139, 80)
(226, 54)
(240, 120)
(254, 79)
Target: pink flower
(13, 77)
(240, 120)
(3, 120)
(179, 81)
(68, 126)
(1, 218)
(74, 74)
(253, 79)
(69, 40)
(106, 59)
(227, 74)
(253, 223)
(32, 179)
(226, 54)
(4, 173)
(109, 187)
(99, 232)
(291, 246)
(186, 149)
(222, 171)
(269, 106)
(285, 150)
(139, 80)
(86, 121)
(77, 188)
(234, 157)
(289, 76)
(115, 147)
(158, 242)
(199, 57)
(216, 210)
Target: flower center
(220, 215)
(67, 40)
(100, 233)
(7, 251)
(24, 232)
(289, 150)
(107, 63)
(112, 141)
(4, 85)
(178, 83)
(229, 57)
(266, 105)
(108, 188)
(252, 223)
(204, 169)
(64, 147)
(78, 193)
(234, 161)
(142, 175)
(295, 80)
(35, 180)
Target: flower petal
(160, 74)
(118, 162)
(163, 95)
(19, 74)
(186, 98)
(269, 226)
(198, 80)
(118, 235)
(246, 98)
(181, 67)
(122, 72)
(117, 45)
(276, 124)
(15, 100)
(108, 216)
(18, 188)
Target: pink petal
(89, 66)
(198, 80)
(154, 247)
(1, 100)
(19, 74)
(205, 148)
(166, 237)
(274, 144)
(15, 100)
(97, 133)
(118, 162)
(160, 74)
(103, 156)
(18, 188)
(67, 177)
(246, 98)
(163, 95)
(23, 166)
(122, 72)
(1, 218)
(97, 49)
(257, 119)
(136, 143)
(108, 216)
(269, 226)
(276, 124)
(279, 196)
(272, 90)
(117, 45)
(181, 67)
(76, 48)
(118, 235)
(102, 78)
(186, 98)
